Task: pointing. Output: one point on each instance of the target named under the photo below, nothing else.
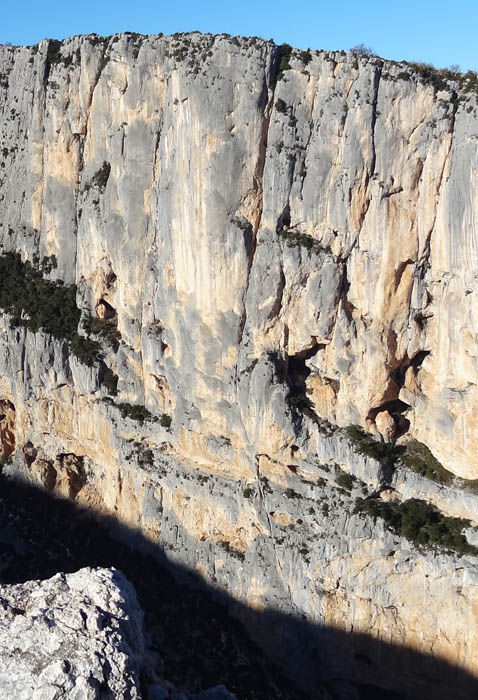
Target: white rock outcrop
(77, 635)
(80, 636)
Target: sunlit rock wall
(263, 232)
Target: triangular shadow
(190, 623)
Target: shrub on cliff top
(285, 54)
(361, 50)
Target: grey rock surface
(77, 636)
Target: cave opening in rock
(398, 375)
(297, 373)
(104, 310)
(395, 407)
(110, 279)
(283, 222)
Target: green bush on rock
(110, 381)
(37, 303)
(106, 329)
(419, 522)
(365, 445)
(418, 457)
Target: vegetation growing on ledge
(420, 523)
(165, 420)
(110, 381)
(84, 349)
(36, 303)
(139, 413)
(135, 412)
(418, 457)
(413, 455)
(100, 178)
(293, 239)
(470, 485)
(281, 106)
(227, 547)
(365, 445)
(106, 329)
(345, 480)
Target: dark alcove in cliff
(297, 373)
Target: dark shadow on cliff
(189, 622)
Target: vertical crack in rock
(157, 144)
(101, 64)
(425, 257)
(251, 245)
(272, 535)
(399, 272)
(262, 497)
(347, 306)
(361, 201)
(376, 84)
(296, 375)
(304, 151)
(42, 116)
(52, 50)
(276, 307)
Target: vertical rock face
(221, 214)
(258, 234)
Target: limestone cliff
(270, 246)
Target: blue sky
(438, 32)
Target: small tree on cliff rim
(361, 50)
